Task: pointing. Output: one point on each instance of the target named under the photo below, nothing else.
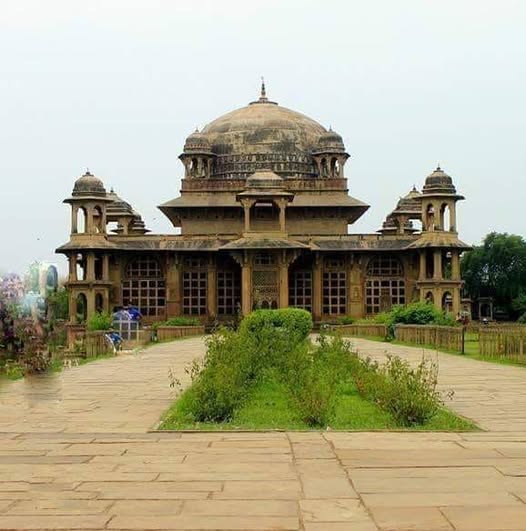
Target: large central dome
(263, 127)
(263, 135)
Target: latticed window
(385, 266)
(262, 259)
(300, 289)
(385, 285)
(144, 286)
(334, 292)
(228, 292)
(195, 283)
(265, 289)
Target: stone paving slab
(76, 453)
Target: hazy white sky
(117, 85)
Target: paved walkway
(75, 453)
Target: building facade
(263, 218)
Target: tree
(497, 268)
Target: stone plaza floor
(76, 453)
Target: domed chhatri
(265, 179)
(88, 184)
(330, 141)
(197, 143)
(262, 220)
(439, 182)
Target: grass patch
(270, 407)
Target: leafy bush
(235, 360)
(418, 313)
(222, 380)
(178, 321)
(296, 323)
(312, 376)
(346, 320)
(522, 318)
(58, 303)
(409, 394)
(182, 321)
(100, 321)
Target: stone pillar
(72, 306)
(282, 204)
(90, 306)
(174, 273)
(246, 286)
(456, 301)
(423, 265)
(90, 267)
(455, 265)
(74, 214)
(317, 287)
(246, 207)
(90, 225)
(284, 282)
(105, 267)
(437, 264)
(211, 291)
(72, 259)
(453, 217)
(355, 289)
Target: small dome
(118, 206)
(265, 179)
(197, 142)
(88, 184)
(330, 141)
(411, 202)
(439, 182)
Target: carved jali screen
(265, 290)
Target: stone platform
(75, 453)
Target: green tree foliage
(58, 304)
(497, 268)
(100, 321)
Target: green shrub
(181, 320)
(346, 320)
(296, 323)
(522, 318)
(100, 321)
(409, 394)
(235, 360)
(312, 376)
(58, 303)
(418, 313)
(222, 380)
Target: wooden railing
(503, 342)
(447, 337)
(361, 329)
(166, 333)
(97, 344)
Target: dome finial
(263, 94)
(438, 166)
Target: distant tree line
(497, 269)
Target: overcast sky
(117, 85)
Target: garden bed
(269, 376)
(270, 407)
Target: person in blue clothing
(135, 313)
